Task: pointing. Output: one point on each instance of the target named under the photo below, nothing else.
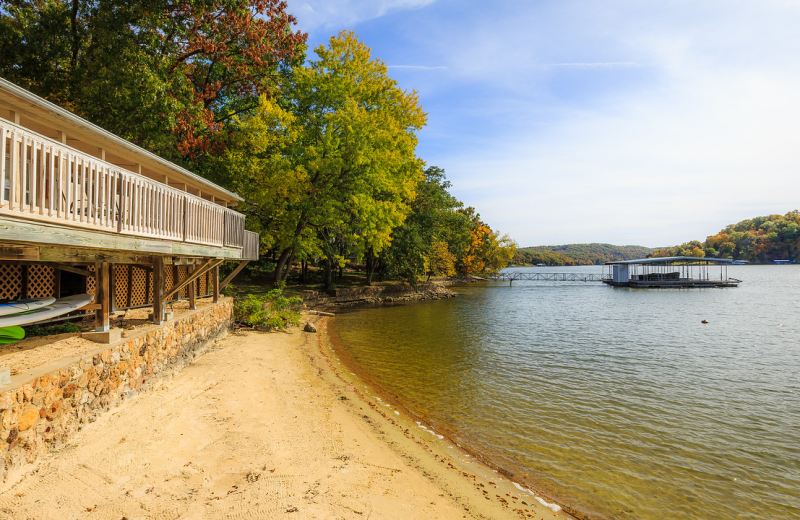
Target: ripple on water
(620, 400)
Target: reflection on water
(620, 400)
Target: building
(83, 210)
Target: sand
(266, 425)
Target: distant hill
(759, 240)
(579, 254)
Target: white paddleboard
(61, 306)
(18, 306)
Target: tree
(434, 218)
(166, 75)
(331, 159)
(441, 261)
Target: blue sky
(624, 121)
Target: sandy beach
(265, 425)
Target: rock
(310, 327)
(28, 419)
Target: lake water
(617, 401)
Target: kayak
(57, 308)
(18, 306)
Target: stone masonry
(41, 414)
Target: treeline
(757, 240)
(322, 150)
(578, 254)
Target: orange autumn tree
(487, 251)
(167, 75)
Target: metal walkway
(549, 277)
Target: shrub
(272, 311)
(37, 330)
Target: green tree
(434, 218)
(331, 159)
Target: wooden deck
(49, 184)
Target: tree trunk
(288, 266)
(278, 275)
(303, 271)
(328, 274)
(341, 273)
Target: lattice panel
(10, 281)
(139, 294)
(150, 288)
(91, 281)
(121, 285)
(41, 281)
(168, 278)
(202, 290)
(182, 273)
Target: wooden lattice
(10, 281)
(41, 281)
(139, 294)
(91, 281)
(203, 283)
(182, 273)
(121, 285)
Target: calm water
(618, 401)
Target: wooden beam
(203, 269)
(30, 232)
(158, 290)
(231, 276)
(112, 287)
(102, 293)
(192, 290)
(25, 280)
(215, 285)
(30, 253)
(176, 278)
(146, 268)
(70, 269)
(89, 256)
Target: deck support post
(215, 284)
(159, 310)
(192, 289)
(102, 297)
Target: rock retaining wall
(376, 294)
(42, 413)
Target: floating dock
(670, 272)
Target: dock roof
(675, 260)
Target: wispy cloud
(415, 67)
(345, 14)
(593, 65)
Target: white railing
(45, 180)
(251, 243)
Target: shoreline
(511, 473)
(463, 460)
(263, 425)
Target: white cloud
(415, 67)
(345, 14)
(594, 65)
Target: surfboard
(11, 334)
(59, 307)
(18, 306)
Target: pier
(548, 277)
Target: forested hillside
(757, 240)
(579, 254)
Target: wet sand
(266, 425)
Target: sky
(618, 121)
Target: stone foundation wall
(42, 414)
